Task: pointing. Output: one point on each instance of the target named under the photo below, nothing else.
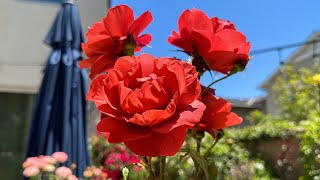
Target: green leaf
(212, 168)
(203, 164)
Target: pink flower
(113, 158)
(96, 171)
(72, 177)
(48, 159)
(35, 162)
(133, 159)
(63, 172)
(60, 156)
(31, 171)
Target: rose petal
(140, 24)
(129, 101)
(96, 92)
(158, 144)
(223, 120)
(194, 20)
(153, 117)
(219, 24)
(185, 117)
(180, 42)
(103, 63)
(143, 40)
(192, 89)
(118, 20)
(97, 45)
(120, 130)
(87, 63)
(96, 29)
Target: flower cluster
(150, 103)
(95, 173)
(34, 165)
(117, 158)
(113, 158)
(214, 44)
(46, 167)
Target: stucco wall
(24, 24)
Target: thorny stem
(162, 167)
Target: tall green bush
(298, 93)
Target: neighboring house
(303, 56)
(24, 24)
(243, 107)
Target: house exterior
(243, 107)
(304, 56)
(24, 24)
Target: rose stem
(214, 83)
(162, 167)
(198, 140)
(151, 174)
(212, 146)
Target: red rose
(217, 115)
(117, 35)
(148, 103)
(214, 44)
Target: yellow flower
(87, 173)
(316, 78)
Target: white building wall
(23, 26)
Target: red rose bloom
(214, 44)
(217, 115)
(117, 35)
(148, 103)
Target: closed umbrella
(59, 117)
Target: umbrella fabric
(59, 117)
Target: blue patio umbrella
(59, 116)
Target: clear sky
(266, 23)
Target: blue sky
(265, 23)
